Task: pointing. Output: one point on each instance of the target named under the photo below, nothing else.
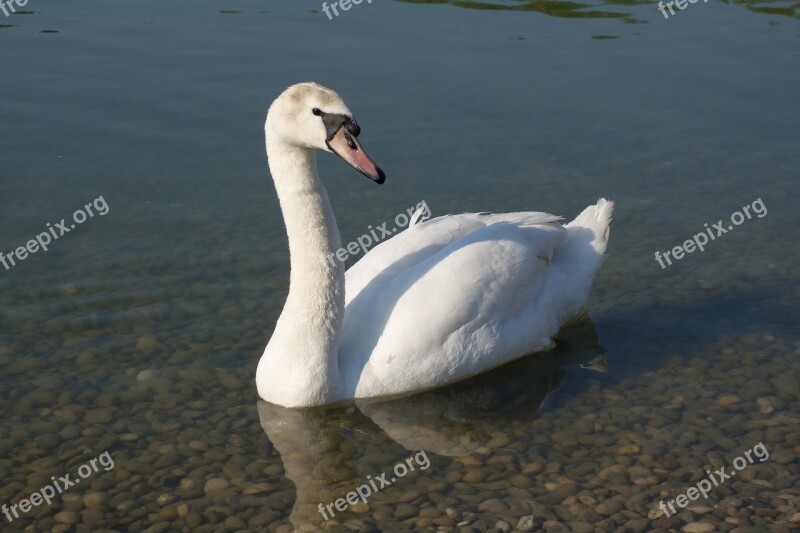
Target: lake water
(129, 347)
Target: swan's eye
(317, 111)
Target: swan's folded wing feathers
(485, 283)
(406, 249)
(425, 239)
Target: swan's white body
(444, 300)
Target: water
(138, 332)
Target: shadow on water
(701, 324)
(328, 452)
(571, 9)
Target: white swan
(439, 302)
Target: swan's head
(309, 115)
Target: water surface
(138, 332)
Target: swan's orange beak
(346, 145)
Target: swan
(441, 301)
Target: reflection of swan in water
(312, 448)
(457, 420)
(326, 451)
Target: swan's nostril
(350, 142)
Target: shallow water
(138, 332)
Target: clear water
(138, 332)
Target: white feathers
(458, 295)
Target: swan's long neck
(300, 364)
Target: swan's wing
(408, 248)
(447, 296)
(420, 241)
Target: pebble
(532, 468)
(628, 449)
(67, 517)
(502, 525)
(698, 527)
(468, 460)
(783, 457)
(215, 485)
(95, 499)
(728, 399)
(610, 471)
(100, 416)
(148, 344)
(637, 525)
(146, 375)
(526, 523)
(258, 488)
(521, 482)
(557, 495)
(405, 510)
(234, 522)
(359, 508)
(474, 476)
(92, 517)
(494, 506)
(178, 412)
(609, 507)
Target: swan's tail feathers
(597, 219)
(577, 259)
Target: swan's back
(461, 294)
